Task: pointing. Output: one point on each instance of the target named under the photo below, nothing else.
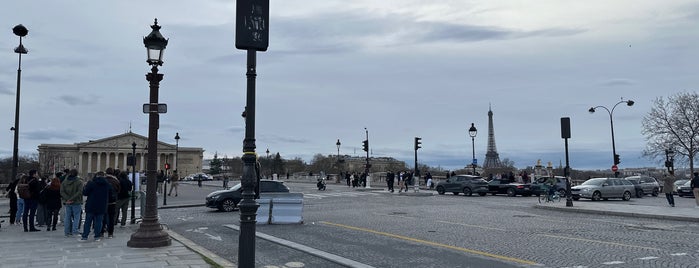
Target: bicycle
(545, 198)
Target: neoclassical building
(98, 155)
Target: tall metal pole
(167, 173)
(133, 184)
(569, 196)
(611, 123)
(473, 154)
(20, 31)
(367, 165)
(248, 205)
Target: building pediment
(122, 141)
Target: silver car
(603, 189)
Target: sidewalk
(628, 209)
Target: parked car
(603, 189)
(500, 186)
(467, 184)
(227, 200)
(560, 186)
(685, 190)
(677, 185)
(644, 185)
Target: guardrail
(280, 208)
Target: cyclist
(551, 183)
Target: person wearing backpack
(72, 197)
(123, 197)
(52, 202)
(31, 201)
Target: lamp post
(177, 150)
(670, 160)
(611, 122)
(150, 233)
(20, 31)
(472, 131)
(133, 183)
(338, 160)
(165, 180)
(338, 148)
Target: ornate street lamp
(20, 31)
(472, 131)
(177, 149)
(338, 148)
(150, 233)
(611, 122)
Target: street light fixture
(20, 31)
(472, 131)
(150, 233)
(615, 157)
(177, 150)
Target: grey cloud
(5, 89)
(235, 129)
(42, 135)
(76, 100)
(40, 78)
(283, 139)
(618, 82)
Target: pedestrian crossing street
(340, 194)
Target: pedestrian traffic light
(616, 159)
(365, 145)
(418, 143)
(167, 166)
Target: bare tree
(673, 123)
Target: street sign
(252, 24)
(475, 162)
(615, 168)
(160, 108)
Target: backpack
(23, 190)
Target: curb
(618, 213)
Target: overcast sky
(402, 69)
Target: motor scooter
(321, 184)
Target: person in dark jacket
(30, 204)
(694, 183)
(98, 192)
(10, 189)
(110, 218)
(52, 202)
(123, 197)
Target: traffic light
(616, 159)
(418, 143)
(167, 166)
(365, 145)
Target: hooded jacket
(72, 190)
(98, 192)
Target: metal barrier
(280, 208)
(264, 211)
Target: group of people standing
(403, 178)
(37, 201)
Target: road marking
(598, 241)
(613, 262)
(472, 251)
(679, 254)
(475, 226)
(201, 231)
(315, 252)
(648, 258)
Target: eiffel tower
(492, 160)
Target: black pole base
(149, 235)
(569, 203)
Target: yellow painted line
(474, 226)
(598, 241)
(472, 251)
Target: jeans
(89, 219)
(122, 207)
(670, 199)
(29, 213)
(72, 219)
(20, 209)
